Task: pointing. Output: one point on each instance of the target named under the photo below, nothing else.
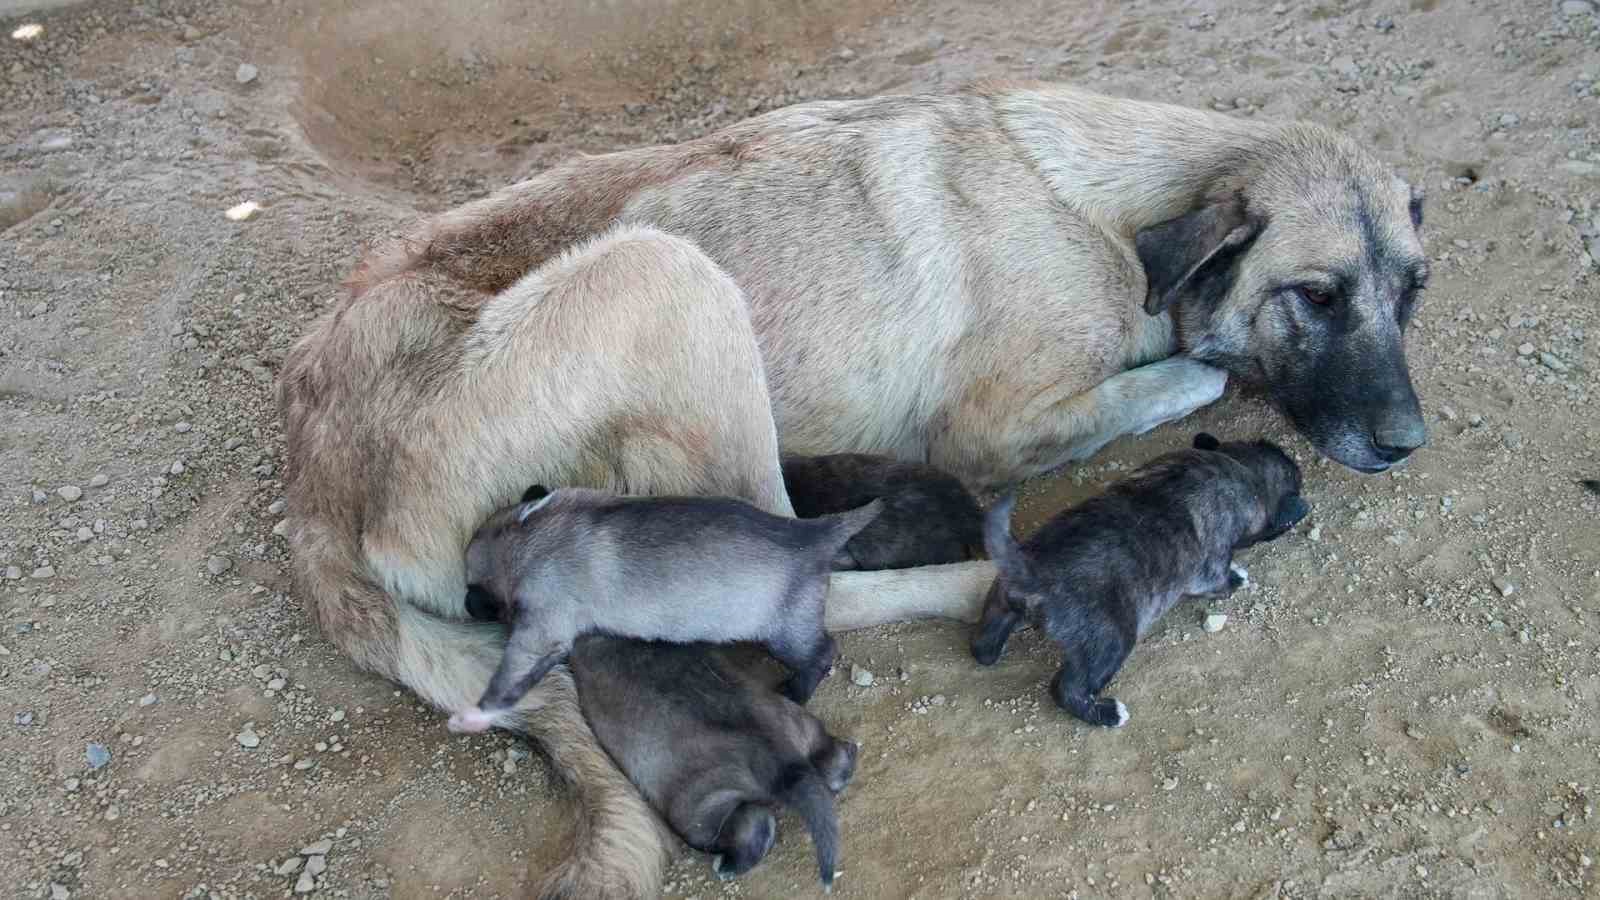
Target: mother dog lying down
(997, 280)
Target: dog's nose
(1395, 442)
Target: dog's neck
(1127, 164)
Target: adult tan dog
(998, 280)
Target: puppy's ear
(1291, 510)
(1180, 256)
(534, 492)
(1204, 441)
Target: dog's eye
(1315, 296)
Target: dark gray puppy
(928, 516)
(1098, 576)
(564, 563)
(712, 748)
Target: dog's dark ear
(1417, 196)
(1291, 510)
(1204, 441)
(1180, 254)
(534, 492)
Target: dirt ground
(1404, 703)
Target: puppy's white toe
(1122, 714)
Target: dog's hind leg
(1083, 674)
(808, 659)
(999, 620)
(746, 837)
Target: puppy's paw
(1238, 577)
(471, 720)
(1110, 713)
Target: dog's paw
(1238, 576)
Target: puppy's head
(1278, 479)
(1299, 274)
(493, 550)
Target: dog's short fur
(955, 277)
(575, 561)
(928, 517)
(1098, 576)
(712, 748)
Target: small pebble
(316, 865)
(71, 493)
(245, 74)
(1525, 349)
(248, 739)
(13, 573)
(99, 481)
(320, 848)
(282, 528)
(1214, 622)
(277, 507)
(59, 892)
(306, 884)
(288, 866)
(217, 565)
(861, 677)
(1506, 588)
(85, 535)
(98, 756)
(233, 443)
(148, 700)
(337, 716)
(44, 572)
(177, 467)
(182, 428)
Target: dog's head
(1279, 483)
(1300, 275)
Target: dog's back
(703, 740)
(929, 517)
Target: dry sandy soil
(1404, 704)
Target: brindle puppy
(1099, 575)
(928, 517)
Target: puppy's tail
(1001, 546)
(809, 796)
(847, 525)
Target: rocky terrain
(1405, 703)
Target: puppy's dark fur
(928, 517)
(712, 748)
(1098, 576)
(1592, 484)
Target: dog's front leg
(1135, 401)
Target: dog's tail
(846, 525)
(1593, 484)
(1003, 550)
(618, 850)
(809, 796)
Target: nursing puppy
(561, 564)
(1098, 576)
(713, 749)
(928, 517)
